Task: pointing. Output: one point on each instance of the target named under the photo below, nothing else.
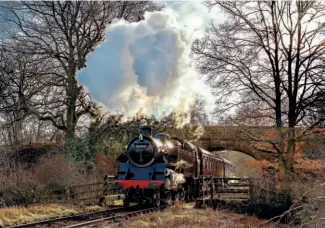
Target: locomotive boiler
(159, 167)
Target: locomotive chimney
(146, 131)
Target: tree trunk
(93, 137)
(282, 160)
(286, 159)
(291, 149)
(72, 95)
(17, 125)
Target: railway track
(115, 218)
(92, 218)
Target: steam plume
(144, 67)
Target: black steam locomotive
(159, 167)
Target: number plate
(141, 146)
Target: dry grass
(184, 215)
(19, 215)
(91, 208)
(112, 200)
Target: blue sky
(145, 67)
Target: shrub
(31, 153)
(105, 164)
(267, 198)
(13, 174)
(56, 170)
(77, 149)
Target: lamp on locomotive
(146, 131)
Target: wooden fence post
(251, 188)
(203, 189)
(67, 194)
(101, 200)
(212, 192)
(105, 192)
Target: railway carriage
(159, 167)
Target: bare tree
(21, 86)
(272, 52)
(3, 81)
(250, 114)
(198, 115)
(316, 114)
(62, 34)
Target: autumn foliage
(309, 167)
(105, 164)
(267, 167)
(303, 167)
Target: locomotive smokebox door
(146, 131)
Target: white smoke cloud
(145, 66)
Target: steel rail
(113, 214)
(114, 218)
(67, 218)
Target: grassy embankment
(180, 215)
(185, 215)
(18, 215)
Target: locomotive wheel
(126, 201)
(168, 198)
(181, 195)
(156, 198)
(190, 197)
(174, 196)
(140, 202)
(147, 202)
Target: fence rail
(91, 193)
(87, 193)
(215, 189)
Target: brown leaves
(105, 164)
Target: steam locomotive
(155, 168)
